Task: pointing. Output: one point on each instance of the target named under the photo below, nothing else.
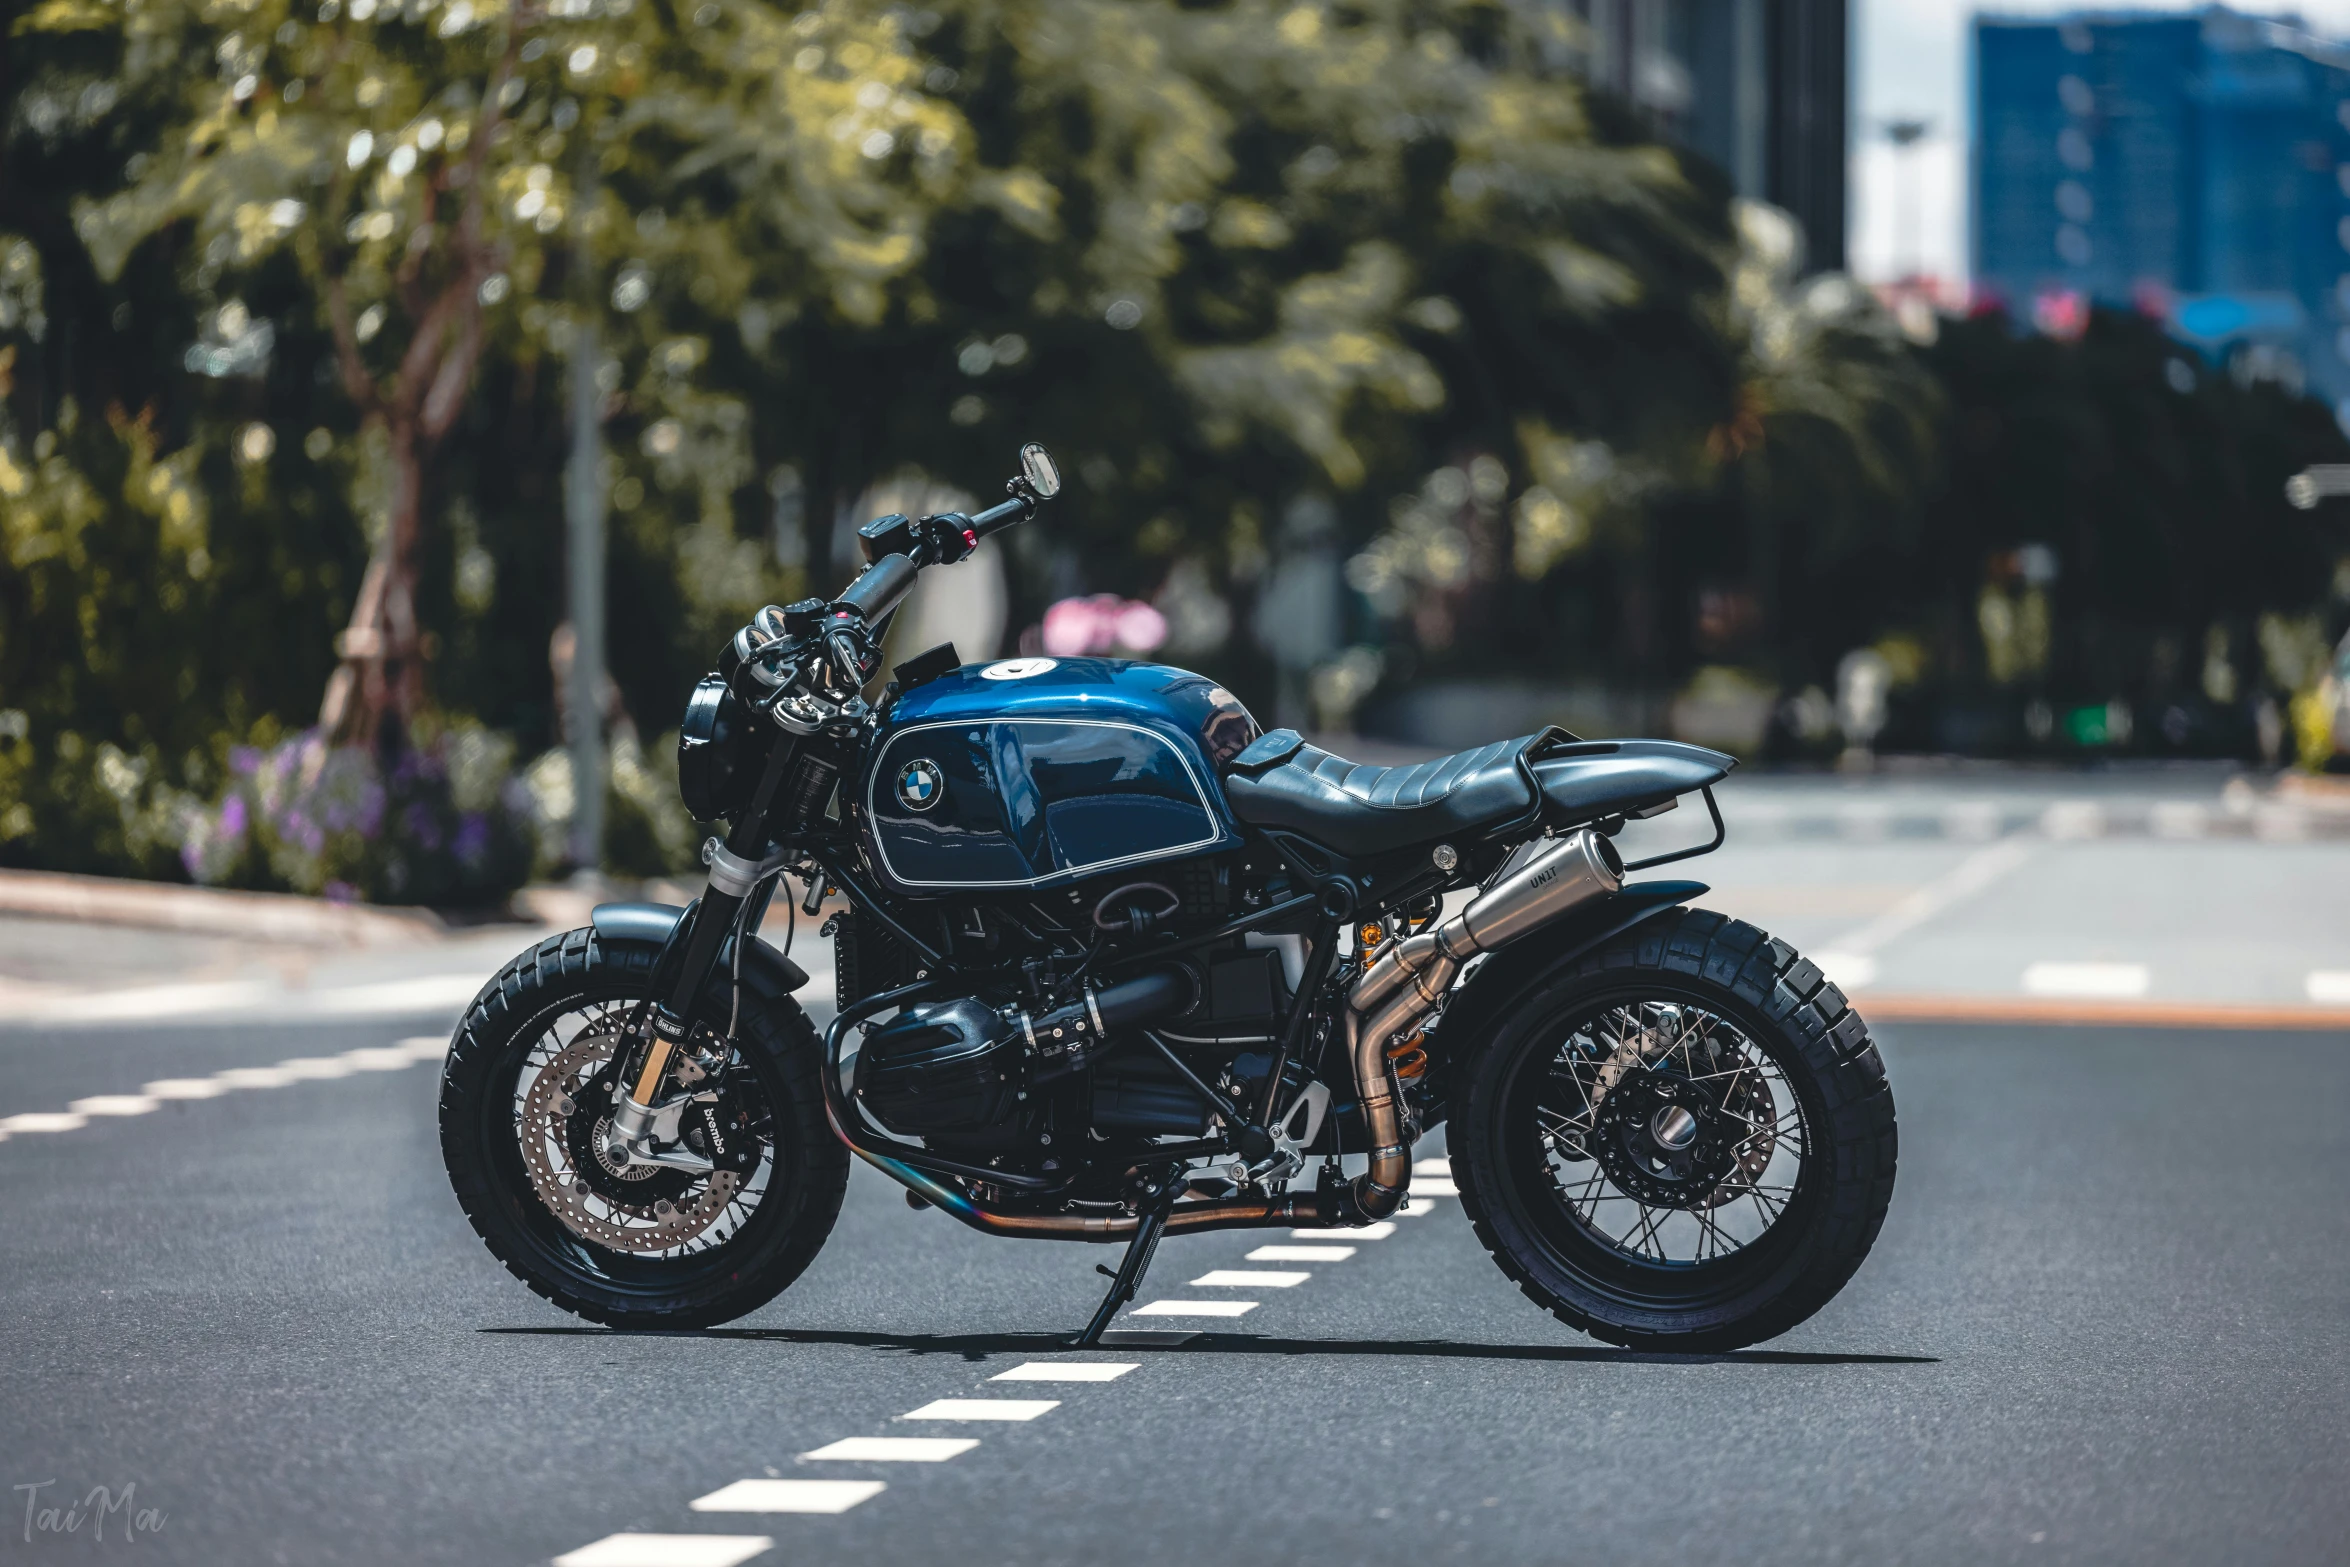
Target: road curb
(1891, 1007)
(213, 911)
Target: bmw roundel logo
(920, 785)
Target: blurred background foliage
(1416, 385)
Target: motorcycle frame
(697, 941)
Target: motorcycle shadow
(982, 1346)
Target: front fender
(1516, 968)
(767, 973)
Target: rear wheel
(525, 1100)
(1682, 1141)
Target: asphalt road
(2106, 1322)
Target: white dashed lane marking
(1195, 1308)
(153, 1096)
(788, 1496)
(1301, 1254)
(775, 1496)
(982, 1409)
(667, 1550)
(1067, 1371)
(114, 1104)
(189, 1088)
(2088, 981)
(43, 1121)
(894, 1449)
(1249, 1278)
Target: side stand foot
(1157, 1202)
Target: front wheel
(526, 1099)
(1682, 1141)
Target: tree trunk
(378, 689)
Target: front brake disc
(597, 1206)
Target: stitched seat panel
(1361, 810)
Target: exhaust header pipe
(1394, 999)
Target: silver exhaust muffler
(1394, 999)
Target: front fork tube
(714, 915)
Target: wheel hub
(562, 1124)
(1664, 1139)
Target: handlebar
(880, 587)
(997, 518)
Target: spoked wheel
(1685, 1142)
(528, 1094)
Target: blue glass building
(2196, 166)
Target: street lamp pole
(584, 526)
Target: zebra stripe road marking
(1249, 1278)
(1195, 1308)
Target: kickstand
(1157, 1202)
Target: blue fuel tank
(1034, 772)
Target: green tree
(442, 173)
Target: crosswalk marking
(1368, 1232)
(1301, 1254)
(667, 1550)
(895, 1449)
(1432, 1167)
(982, 1409)
(788, 1496)
(1195, 1308)
(1434, 1186)
(1067, 1371)
(1250, 1278)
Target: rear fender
(1486, 995)
(767, 974)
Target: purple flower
(232, 816)
(422, 828)
(371, 808)
(243, 759)
(340, 892)
(473, 837)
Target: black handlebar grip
(879, 587)
(997, 518)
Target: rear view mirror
(1037, 467)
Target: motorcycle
(1113, 964)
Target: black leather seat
(1282, 782)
